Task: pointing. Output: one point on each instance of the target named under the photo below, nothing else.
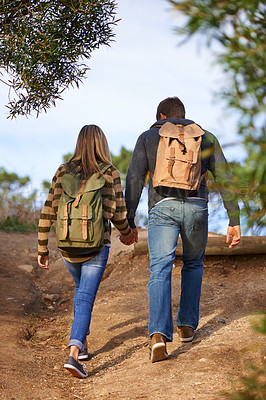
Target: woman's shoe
(83, 355)
(75, 368)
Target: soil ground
(35, 328)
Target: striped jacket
(114, 209)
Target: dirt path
(35, 329)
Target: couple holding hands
(172, 211)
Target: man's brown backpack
(178, 160)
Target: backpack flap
(95, 182)
(72, 186)
(178, 131)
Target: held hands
(43, 262)
(235, 232)
(133, 239)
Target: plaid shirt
(114, 209)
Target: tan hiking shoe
(186, 333)
(158, 348)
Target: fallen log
(216, 245)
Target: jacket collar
(180, 121)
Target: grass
(16, 225)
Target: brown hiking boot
(158, 348)
(186, 333)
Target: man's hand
(127, 242)
(235, 232)
(43, 262)
(136, 235)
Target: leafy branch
(43, 45)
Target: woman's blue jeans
(87, 276)
(189, 218)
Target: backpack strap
(77, 199)
(104, 167)
(171, 161)
(65, 222)
(85, 222)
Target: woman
(86, 269)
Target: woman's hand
(43, 261)
(133, 239)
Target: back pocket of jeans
(161, 214)
(200, 219)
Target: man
(174, 211)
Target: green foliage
(239, 26)
(46, 185)
(253, 382)
(11, 181)
(67, 157)
(17, 203)
(242, 187)
(250, 180)
(15, 224)
(240, 29)
(122, 161)
(43, 43)
(254, 386)
(259, 323)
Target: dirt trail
(35, 329)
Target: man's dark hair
(172, 107)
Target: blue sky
(121, 92)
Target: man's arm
(222, 175)
(223, 178)
(135, 179)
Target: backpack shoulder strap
(104, 167)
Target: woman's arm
(49, 213)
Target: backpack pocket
(81, 226)
(182, 163)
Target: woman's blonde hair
(91, 149)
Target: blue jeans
(87, 276)
(189, 218)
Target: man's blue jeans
(189, 218)
(87, 276)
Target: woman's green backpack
(80, 226)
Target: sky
(121, 92)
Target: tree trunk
(216, 245)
